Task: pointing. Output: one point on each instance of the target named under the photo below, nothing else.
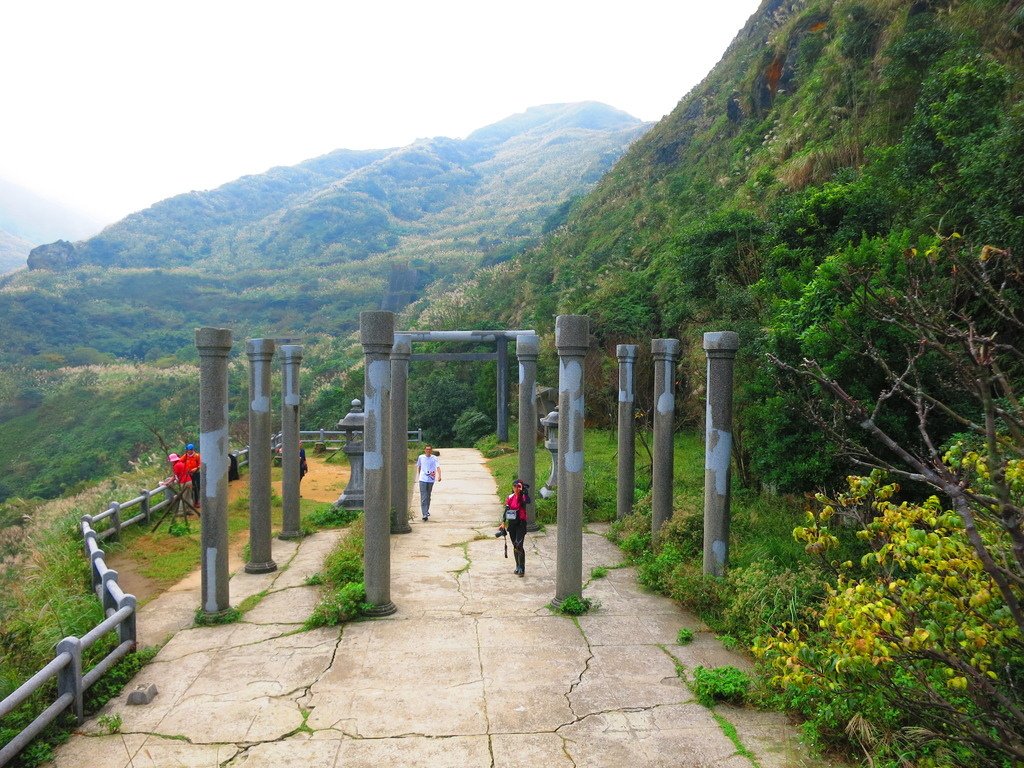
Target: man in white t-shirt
(428, 472)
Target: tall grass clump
(341, 579)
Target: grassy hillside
(826, 127)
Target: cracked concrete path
(473, 669)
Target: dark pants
(425, 489)
(517, 532)
(195, 487)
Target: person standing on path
(428, 472)
(515, 523)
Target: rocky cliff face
(53, 256)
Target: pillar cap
(377, 331)
(291, 352)
(260, 348)
(527, 345)
(213, 340)
(626, 351)
(665, 348)
(572, 334)
(725, 341)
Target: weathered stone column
(399, 469)
(261, 353)
(666, 353)
(501, 348)
(572, 339)
(290, 528)
(527, 349)
(213, 345)
(377, 334)
(626, 354)
(721, 349)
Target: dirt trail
(324, 482)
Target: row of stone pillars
(214, 346)
(385, 438)
(720, 348)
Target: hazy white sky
(111, 105)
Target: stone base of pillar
(213, 617)
(406, 528)
(266, 567)
(381, 610)
(289, 535)
(532, 527)
(557, 602)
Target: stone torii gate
(500, 339)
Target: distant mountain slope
(302, 250)
(14, 251)
(348, 205)
(27, 219)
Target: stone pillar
(261, 353)
(721, 349)
(377, 334)
(666, 353)
(501, 347)
(290, 528)
(213, 345)
(527, 349)
(626, 354)
(572, 339)
(400, 354)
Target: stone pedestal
(399, 465)
(214, 345)
(290, 476)
(352, 425)
(527, 349)
(572, 339)
(720, 348)
(666, 353)
(377, 334)
(626, 474)
(261, 353)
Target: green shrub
(330, 516)
(344, 604)
(576, 606)
(599, 572)
(765, 596)
(685, 636)
(726, 684)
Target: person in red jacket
(192, 463)
(516, 503)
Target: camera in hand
(500, 532)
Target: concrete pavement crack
(586, 668)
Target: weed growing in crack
(599, 572)
(251, 601)
(110, 723)
(730, 733)
(685, 636)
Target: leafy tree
(935, 614)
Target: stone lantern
(550, 424)
(352, 428)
